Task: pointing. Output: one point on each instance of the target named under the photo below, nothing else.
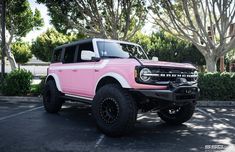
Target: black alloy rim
(109, 110)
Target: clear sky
(44, 13)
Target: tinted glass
(57, 55)
(69, 54)
(84, 46)
(120, 50)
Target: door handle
(74, 70)
(60, 70)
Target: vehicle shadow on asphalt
(151, 134)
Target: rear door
(66, 70)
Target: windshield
(120, 50)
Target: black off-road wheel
(52, 100)
(114, 110)
(176, 115)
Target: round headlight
(195, 73)
(143, 77)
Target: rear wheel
(52, 100)
(177, 114)
(114, 110)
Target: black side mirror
(95, 59)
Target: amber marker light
(135, 73)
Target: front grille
(157, 79)
(171, 74)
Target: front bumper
(179, 94)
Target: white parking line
(214, 118)
(20, 113)
(99, 141)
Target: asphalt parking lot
(25, 126)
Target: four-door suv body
(118, 79)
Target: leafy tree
(169, 48)
(205, 23)
(143, 40)
(230, 56)
(20, 19)
(103, 18)
(21, 51)
(230, 60)
(44, 44)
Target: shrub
(42, 83)
(1, 80)
(34, 89)
(40, 86)
(217, 86)
(37, 89)
(17, 83)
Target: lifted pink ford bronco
(118, 79)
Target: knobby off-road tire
(114, 110)
(51, 97)
(177, 115)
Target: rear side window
(84, 46)
(69, 54)
(57, 55)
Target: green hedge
(1, 81)
(217, 86)
(17, 83)
(37, 89)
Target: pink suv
(118, 79)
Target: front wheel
(177, 114)
(114, 110)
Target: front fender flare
(124, 83)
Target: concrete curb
(20, 98)
(216, 103)
(39, 99)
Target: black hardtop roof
(74, 43)
(90, 40)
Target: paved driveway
(25, 126)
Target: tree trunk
(11, 58)
(211, 64)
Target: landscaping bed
(213, 86)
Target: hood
(167, 64)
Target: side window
(56, 55)
(69, 54)
(84, 46)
